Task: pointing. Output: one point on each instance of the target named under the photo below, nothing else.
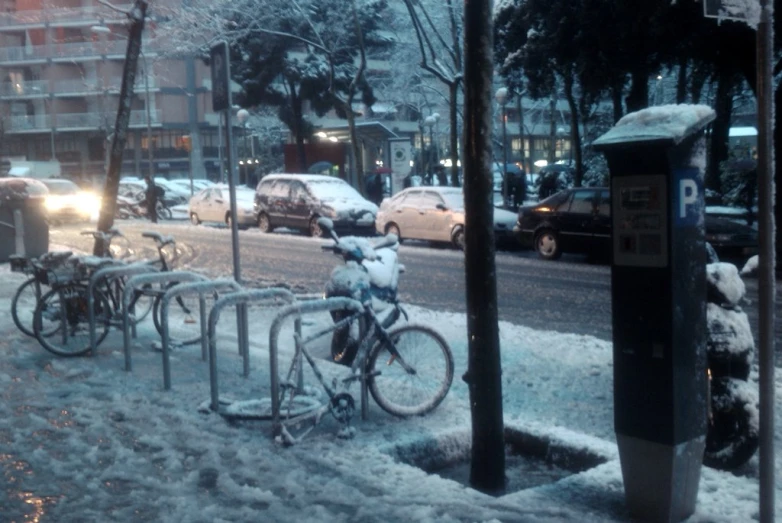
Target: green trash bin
(23, 226)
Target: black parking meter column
(656, 160)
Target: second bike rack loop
(329, 304)
(201, 288)
(136, 283)
(237, 298)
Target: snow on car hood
(506, 217)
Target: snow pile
(751, 267)
(724, 284)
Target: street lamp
(242, 115)
(502, 98)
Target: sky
(83, 440)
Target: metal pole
(52, 122)
(504, 158)
(150, 167)
(766, 281)
(221, 176)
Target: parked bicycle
(28, 294)
(61, 319)
(408, 369)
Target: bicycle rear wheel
(23, 306)
(421, 389)
(184, 326)
(61, 321)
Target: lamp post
(502, 98)
(242, 115)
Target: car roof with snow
(301, 177)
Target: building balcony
(61, 16)
(68, 52)
(71, 87)
(76, 121)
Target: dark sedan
(578, 220)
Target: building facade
(61, 65)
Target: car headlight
(88, 203)
(53, 203)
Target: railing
(57, 50)
(24, 88)
(61, 15)
(76, 120)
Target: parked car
(298, 200)
(67, 202)
(132, 188)
(434, 214)
(578, 220)
(175, 193)
(198, 184)
(214, 205)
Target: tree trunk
(616, 100)
(698, 79)
(575, 135)
(298, 129)
(778, 176)
(135, 29)
(638, 97)
(720, 131)
(681, 81)
(520, 109)
(552, 130)
(484, 370)
(453, 118)
(355, 150)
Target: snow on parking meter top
(662, 123)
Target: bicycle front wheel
(422, 386)
(23, 306)
(61, 321)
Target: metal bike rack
(328, 304)
(137, 282)
(214, 316)
(110, 273)
(200, 287)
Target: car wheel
(263, 223)
(194, 219)
(547, 245)
(458, 238)
(393, 228)
(315, 230)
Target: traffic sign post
(221, 102)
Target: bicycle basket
(19, 263)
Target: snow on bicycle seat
(98, 262)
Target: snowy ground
(81, 440)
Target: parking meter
(656, 159)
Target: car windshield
(332, 189)
(61, 187)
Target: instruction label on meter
(640, 221)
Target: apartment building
(61, 64)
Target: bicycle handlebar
(161, 240)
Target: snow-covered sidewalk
(82, 440)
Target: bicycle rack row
(299, 308)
